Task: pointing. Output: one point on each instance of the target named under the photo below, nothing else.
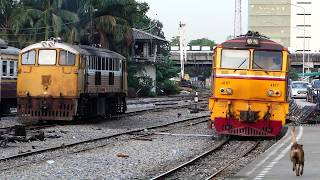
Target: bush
(144, 86)
(169, 87)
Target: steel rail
(171, 171)
(64, 146)
(249, 150)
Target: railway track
(201, 166)
(234, 161)
(89, 144)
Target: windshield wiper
(261, 67)
(241, 64)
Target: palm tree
(43, 19)
(6, 7)
(108, 19)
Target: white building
(305, 26)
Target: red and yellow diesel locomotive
(249, 94)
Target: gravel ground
(145, 158)
(204, 167)
(232, 170)
(9, 122)
(74, 133)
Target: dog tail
(293, 135)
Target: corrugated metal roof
(139, 34)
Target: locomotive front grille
(46, 109)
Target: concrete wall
(271, 18)
(150, 70)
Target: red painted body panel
(267, 128)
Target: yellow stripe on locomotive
(249, 96)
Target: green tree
(202, 42)
(6, 7)
(293, 74)
(165, 71)
(35, 20)
(175, 41)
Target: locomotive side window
(103, 63)
(111, 78)
(110, 64)
(267, 60)
(99, 63)
(28, 57)
(4, 68)
(11, 68)
(47, 57)
(235, 59)
(66, 58)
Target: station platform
(275, 163)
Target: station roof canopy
(142, 35)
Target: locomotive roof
(82, 49)
(100, 52)
(10, 51)
(240, 43)
(3, 44)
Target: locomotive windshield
(267, 60)
(235, 59)
(47, 57)
(28, 57)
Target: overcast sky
(211, 19)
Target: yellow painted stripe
(8, 80)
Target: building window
(303, 37)
(303, 2)
(303, 25)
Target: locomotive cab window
(28, 57)
(66, 58)
(47, 57)
(235, 59)
(267, 60)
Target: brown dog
(296, 154)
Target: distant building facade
(271, 18)
(146, 51)
(292, 23)
(312, 25)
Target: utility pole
(183, 47)
(237, 25)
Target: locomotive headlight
(229, 91)
(274, 92)
(270, 93)
(277, 93)
(252, 42)
(226, 91)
